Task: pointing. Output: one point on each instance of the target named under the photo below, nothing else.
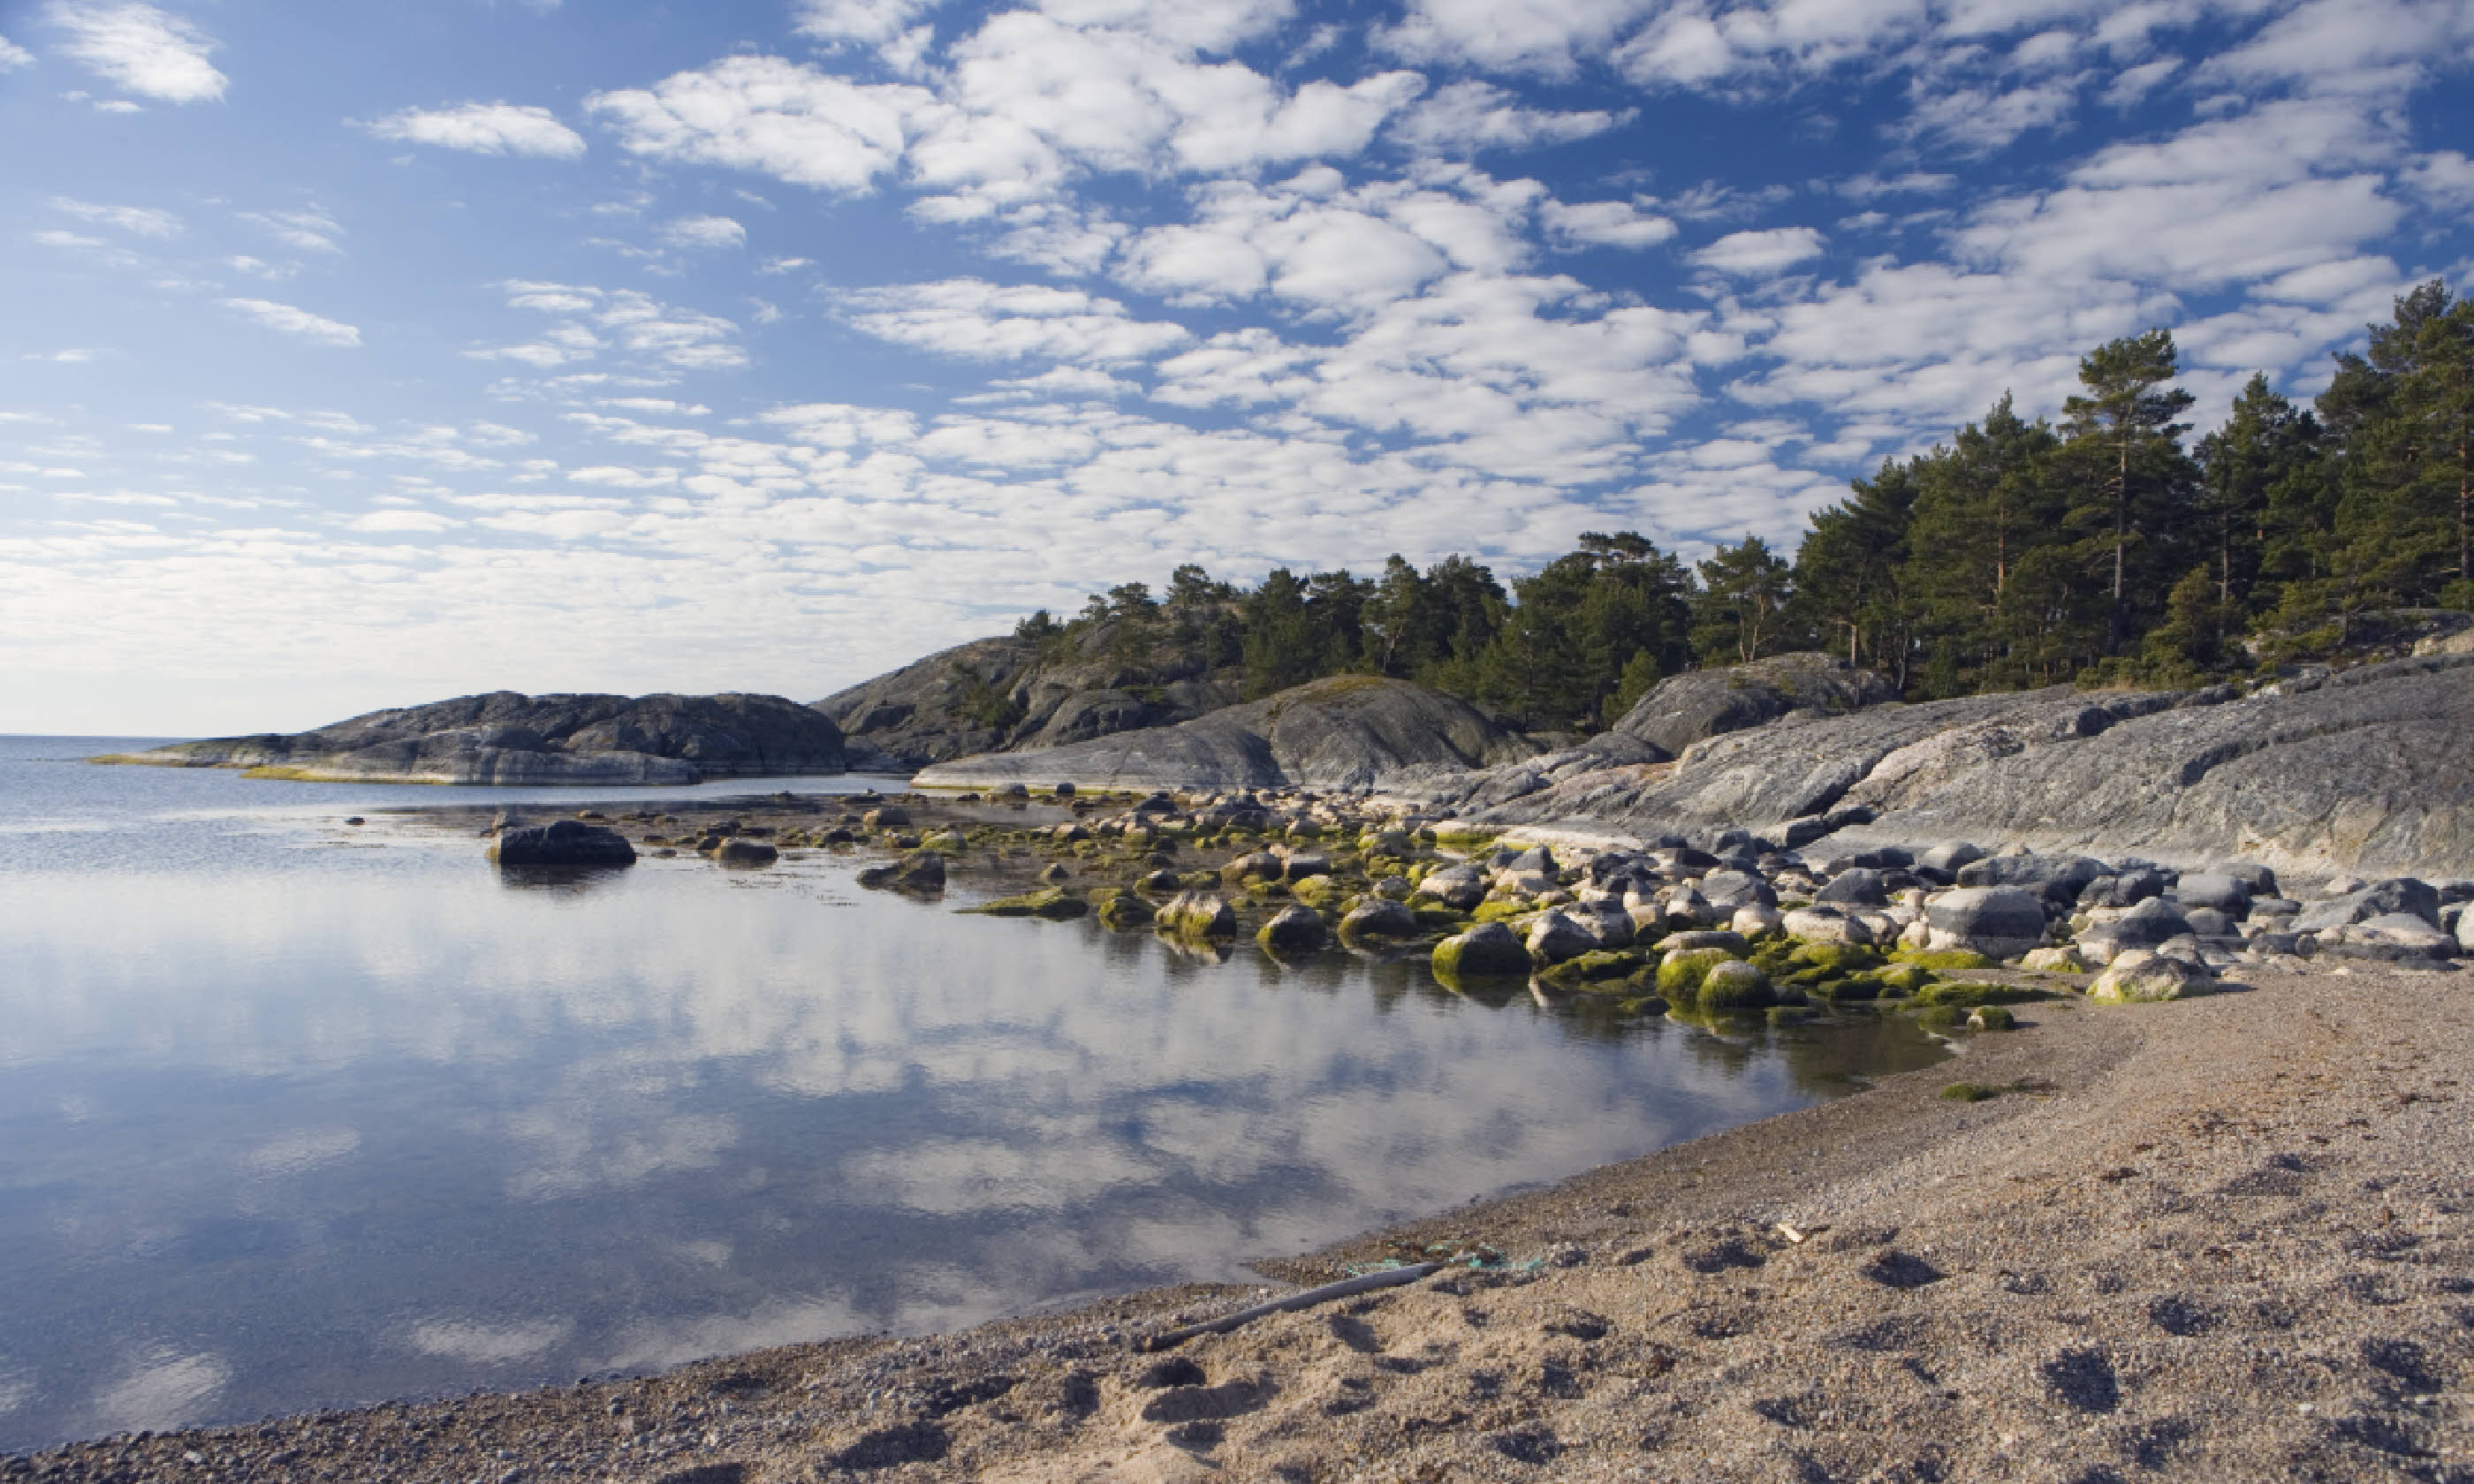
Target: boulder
(1554, 938)
(745, 853)
(1199, 914)
(1377, 918)
(1755, 921)
(2128, 888)
(1702, 704)
(1737, 889)
(562, 843)
(1826, 924)
(2218, 890)
(1256, 866)
(1730, 942)
(1734, 985)
(2061, 961)
(2390, 935)
(2150, 923)
(2398, 894)
(1603, 920)
(1856, 887)
(2000, 922)
(1294, 929)
(1460, 888)
(2140, 975)
(1301, 865)
(2061, 877)
(1487, 950)
(1125, 911)
(1681, 971)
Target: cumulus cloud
(1467, 117)
(1763, 252)
(705, 231)
(982, 321)
(141, 49)
(1604, 223)
(136, 221)
(296, 321)
(1550, 37)
(12, 56)
(786, 119)
(484, 129)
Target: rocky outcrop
(2367, 769)
(506, 738)
(1007, 694)
(1340, 734)
(1703, 704)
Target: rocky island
(506, 738)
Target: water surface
(296, 1113)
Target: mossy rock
(1971, 1093)
(1835, 958)
(1434, 915)
(1500, 911)
(1901, 980)
(1944, 961)
(1681, 972)
(1992, 1017)
(1967, 996)
(1319, 890)
(1942, 1018)
(1855, 989)
(1792, 1014)
(1055, 904)
(1124, 911)
(1474, 955)
(1733, 987)
(1597, 964)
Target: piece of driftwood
(1305, 1298)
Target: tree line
(2107, 547)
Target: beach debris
(1308, 1298)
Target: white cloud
(1463, 118)
(137, 221)
(2445, 177)
(310, 228)
(12, 56)
(1977, 121)
(636, 323)
(705, 231)
(973, 319)
(867, 22)
(1604, 223)
(2362, 47)
(484, 129)
(141, 49)
(1764, 251)
(1545, 37)
(296, 321)
(405, 522)
(783, 118)
(1916, 183)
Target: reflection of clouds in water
(295, 1152)
(480, 1342)
(564, 1150)
(652, 1344)
(163, 1389)
(953, 1176)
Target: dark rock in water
(745, 853)
(1378, 918)
(1295, 929)
(506, 738)
(1488, 949)
(1687, 709)
(563, 843)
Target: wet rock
(1379, 917)
(1294, 929)
(1488, 949)
(1199, 914)
(745, 853)
(562, 843)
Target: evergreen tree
(1846, 569)
(2124, 428)
(2255, 479)
(1739, 615)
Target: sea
(296, 1114)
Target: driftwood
(1307, 1298)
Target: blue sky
(356, 355)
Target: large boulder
(1997, 921)
(2146, 925)
(1702, 704)
(2398, 894)
(506, 738)
(2142, 975)
(1487, 950)
(1378, 918)
(1295, 929)
(1554, 938)
(1460, 888)
(2390, 935)
(562, 843)
(1348, 733)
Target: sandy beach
(2222, 1239)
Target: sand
(2223, 1239)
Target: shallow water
(294, 1113)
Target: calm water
(293, 1115)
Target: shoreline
(2222, 1238)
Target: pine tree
(2246, 469)
(1740, 613)
(2125, 421)
(1846, 569)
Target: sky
(360, 355)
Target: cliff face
(506, 738)
(1344, 732)
(1004, 693)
